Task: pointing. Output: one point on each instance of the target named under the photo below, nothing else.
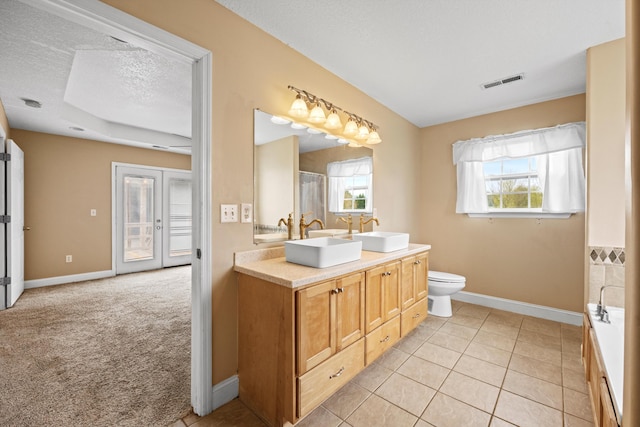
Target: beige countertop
(270, 264)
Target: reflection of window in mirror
(350, 185)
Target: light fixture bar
(316, 100)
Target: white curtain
(347, 168)
(559, 153)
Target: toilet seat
(440, 276)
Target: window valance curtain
(352, 167)
(558, 151)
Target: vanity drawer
(383, 338)
(325, 379)
(413, 316)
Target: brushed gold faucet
(363, 222)
(348, 221)
(289, 223)
(304, 226)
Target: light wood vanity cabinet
(601, 403)
(329, 317)
(382, 294)
(414, 279)
(299, 345)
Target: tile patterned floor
(481, 367)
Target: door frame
(102, 17)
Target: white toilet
(441, 287)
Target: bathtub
(610, 338)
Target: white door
(153, 218)
(138, 219)
(15, 228)
(176, 241)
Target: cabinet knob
(385, 339)
(340, 290)
(334, 291)
(418, 262)
(337, 374)
(416, 316)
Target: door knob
(25, 228)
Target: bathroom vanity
(603, 361)
(305, 332)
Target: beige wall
(252, 70)
(605, 148)
(4, 122)
(606, 115)
(276, 178)
(537, 262)
(64, 179)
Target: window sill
(512, 214)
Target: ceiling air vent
(504, 81)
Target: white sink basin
(322, 252)
(382, 241)
(329, 232)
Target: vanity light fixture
(299, 108)
(363, 132)
(333, 120)
(317, 115)
(356, 126)
(351, 128)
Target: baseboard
(225, 391)
(59, 280)
(541, 311)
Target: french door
(152, 218)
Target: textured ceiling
(114, 91)
(427, 59)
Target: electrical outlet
(228, 213)
(69, 258)
(246, 212)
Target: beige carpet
(110, 352)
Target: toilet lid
(440, 276)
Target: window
(530, 171)
(350, 186)
(513, 184)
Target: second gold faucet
(303, 226)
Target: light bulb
(333, 120)
(351, 128)
(299, 108)
(374, 138)
(363, 132)
(317, 115)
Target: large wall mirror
(298, 172)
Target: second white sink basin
(382, 241)
(322, 252)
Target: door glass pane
(138, 218)
(179, 217)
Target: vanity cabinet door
(315, 325)
(350, 310)
(420, 275)
(414, 279)
(608, 418)
(382, 294)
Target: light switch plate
(228, 213)
(246, 213)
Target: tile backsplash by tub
(606, 267)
